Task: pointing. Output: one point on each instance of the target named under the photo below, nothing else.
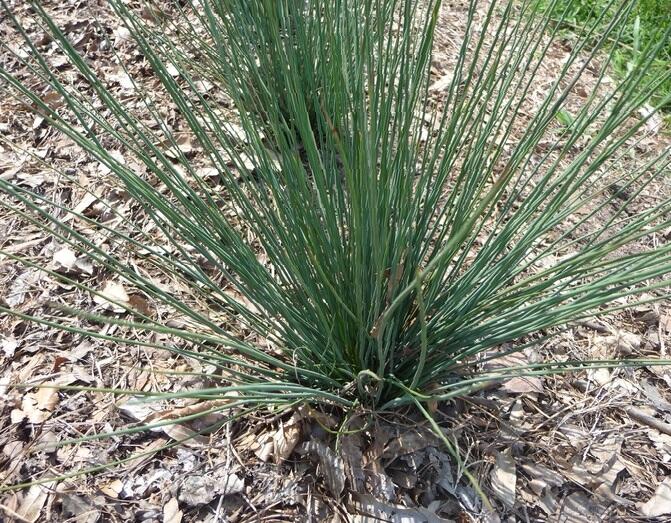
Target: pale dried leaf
(110, 293)
(171, 70)
(138, 409)
(410, 441)
(599, 376)
(200, 490)
(185, 435)
(171, 512)
(34, 500)
(371, 509)
(350, 450)
(504, 478)
(263, 447)
(22, 285)
(121, 77)
(84, 265)
(542, 477)
(38, 406)
(442, 83)
(331, 465)
(523, 384)
(660, 503)
(654, 122)
(287, 437)
(579, 508)
(112, 488)
(122, 34)
(9, 346)
(665, 322)
(65, 258)
(13, 449)
(85, 203)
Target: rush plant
(382, 240)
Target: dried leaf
(654, 121)
(171, 512)
(542, 477)
(112, 488)
(410, 441)
(110, 293)
(85, 203)
(9, 346)
(84, 265)
(599, 376)
(65, 258)
(665, 322)
(373, 510)
(121, 77)
(442, 83)
(22, 285)
(263, 447)
(34, 500)
(38, 406)
(200, 490)
(522, 384)
(78, 509)
(186, 436)
(331, 465)
(504, 478)
(13, 449)
(140, 304)
(660, 503)
(579, 508)
(287, 437)
(140, 410)
(350, 450)
(381, 485)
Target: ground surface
(583, 447)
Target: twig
(594, 326)
(642, 417)
(13, 514)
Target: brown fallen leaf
(140, 304)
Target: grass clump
(383, 242)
